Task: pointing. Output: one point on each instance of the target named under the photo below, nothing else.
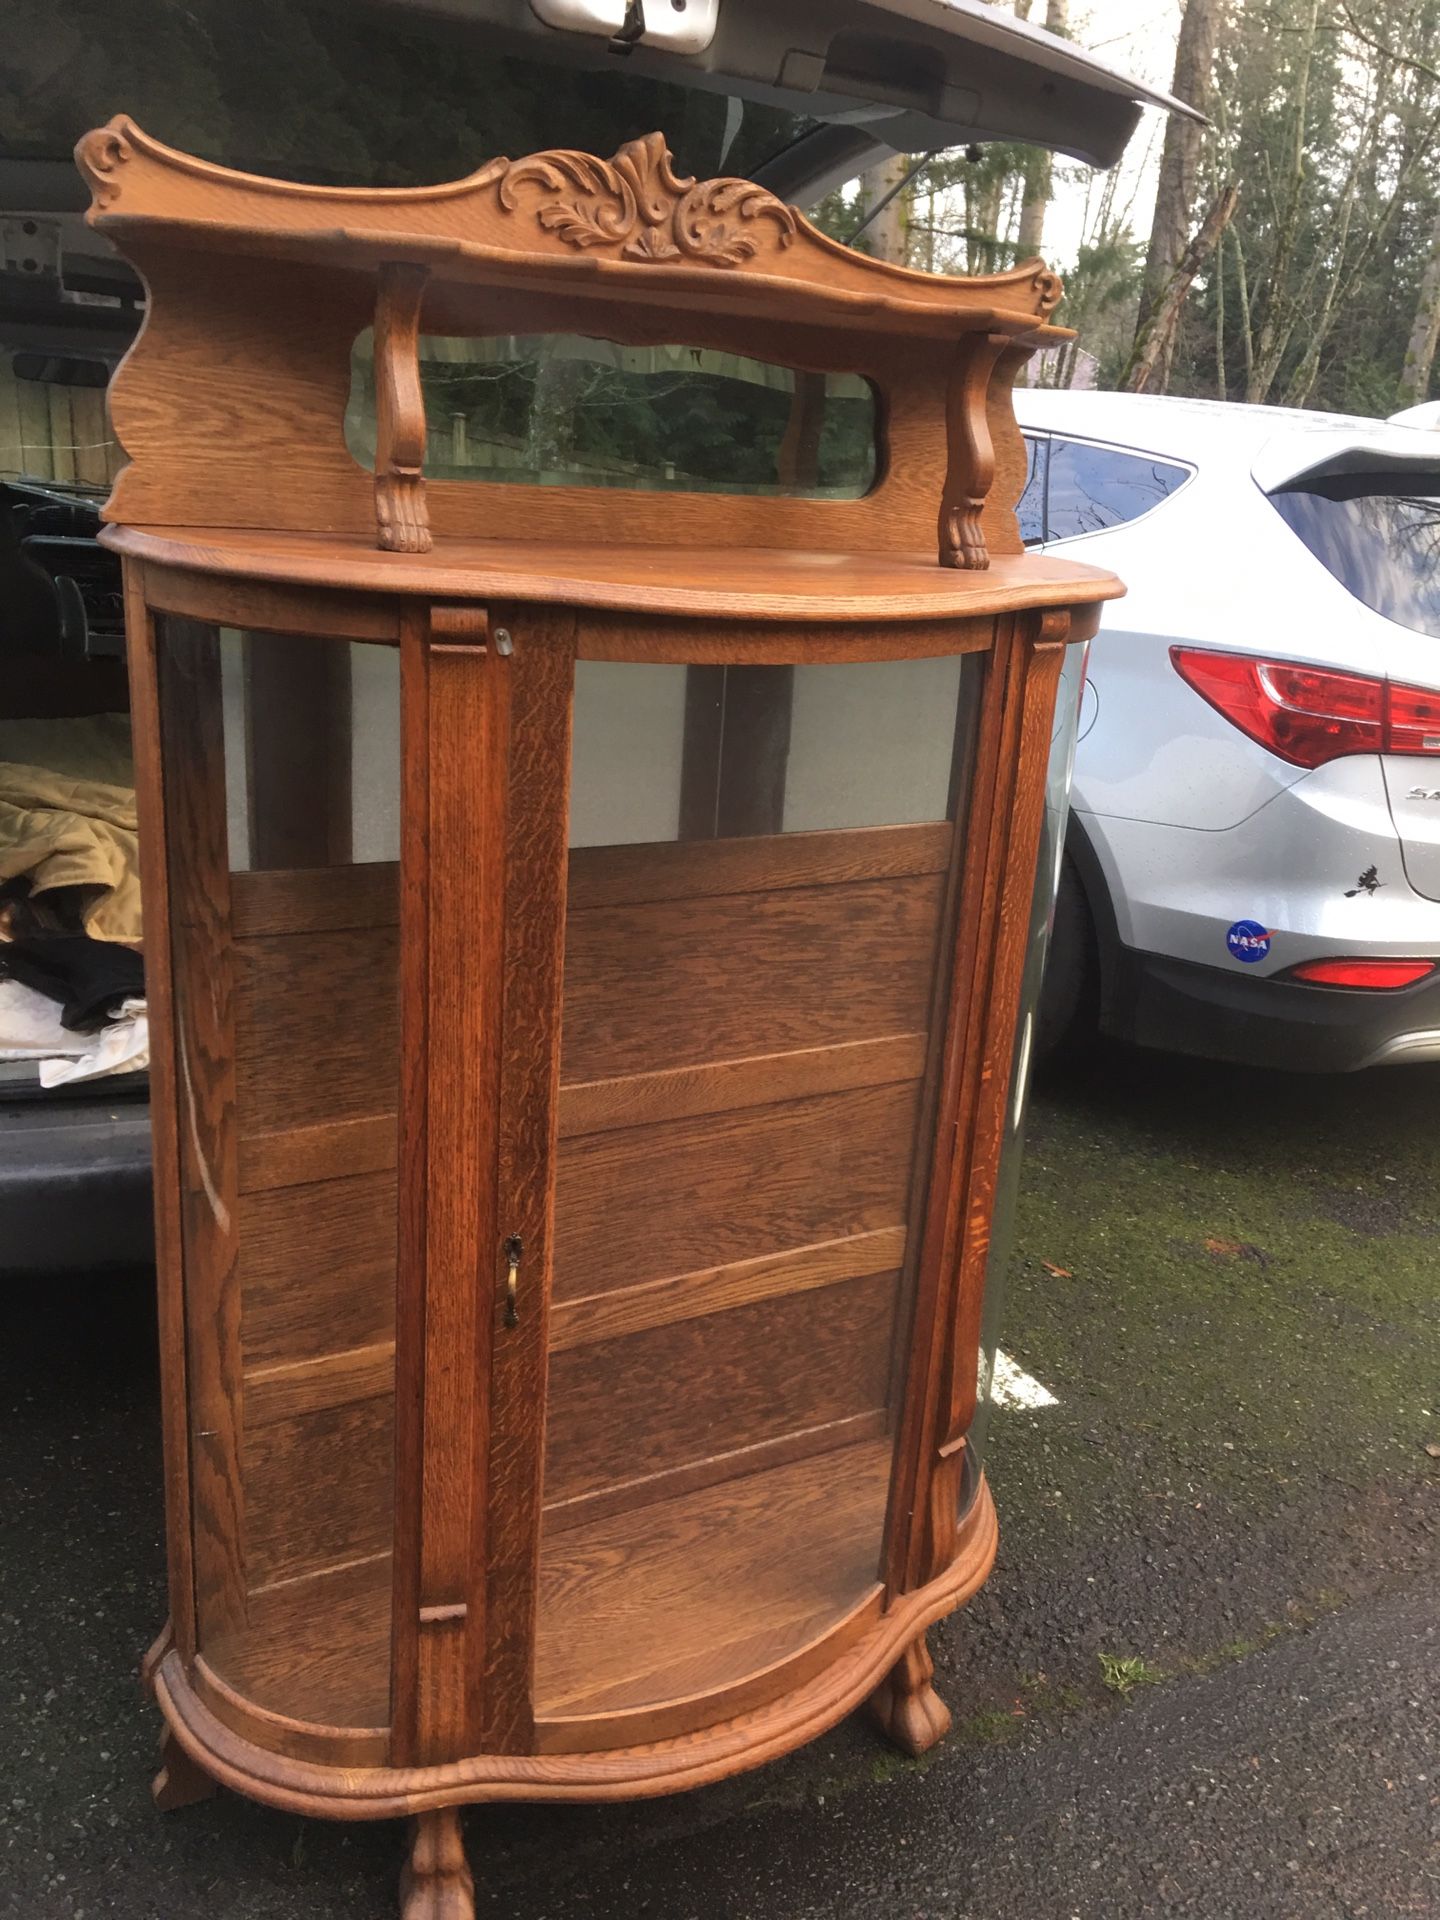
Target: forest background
(1294, 251)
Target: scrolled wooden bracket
(970, 466)
(402, 524)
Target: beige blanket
(67, 814)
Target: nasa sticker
(1248, 941)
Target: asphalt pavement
(1227, 1285)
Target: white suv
(1253, 859)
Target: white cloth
(30, 1029)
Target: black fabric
(41, 916)
(88, 977)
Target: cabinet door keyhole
(514, 1247)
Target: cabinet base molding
(908, 1709)
(436, 1883)
(672, 1765)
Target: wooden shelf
(742, 581)
(701, 1593)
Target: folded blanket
(67, 815)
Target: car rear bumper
(75, 1183)
(1184, 1007)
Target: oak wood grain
(801, 1541)
(261, 606)
(401, 523)
(468, 692)
(713, 1751)
(687, 1388)
(710, 1469)
(535, 877)
(651, 1202)
(310, 1739)
(318, 1489)
(317, 899)
(316, 1028)
(791, 586)
(291, 1388)
(314, 1651)
(495, 256)
(412, 1225)
(318, 1268)
(746, 973)
(329, 1150)
(681, 1093)
(436, 1882)
(682, 870)
(690, 1296)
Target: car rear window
(328, 91)
(1090, 488)
(1379, 535)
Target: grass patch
(1123, 1672)
(1240, 1260)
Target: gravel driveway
(1229, 1284)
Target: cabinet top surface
(773, 585)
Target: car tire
(1069, 998)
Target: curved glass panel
(1012, 1153)
(758, 885)
(284, 903)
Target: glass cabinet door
(280, 762)
(759, 881)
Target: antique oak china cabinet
(585, 933)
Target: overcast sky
(1138, 37)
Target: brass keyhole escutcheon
(514, 1247)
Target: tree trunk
(1179, 165)
(1278, 321)
(550, 437)
(1425, 333)
(1038, 174)
(886, 237)
(1155, 341)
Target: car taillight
(1414, 721)
(1362, 973)
(1308, 715)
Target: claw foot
(909, 1710)
(436, 1882)
(179, 1783)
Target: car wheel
(1065, 1023)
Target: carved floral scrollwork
(99, 156)
(637, 203)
